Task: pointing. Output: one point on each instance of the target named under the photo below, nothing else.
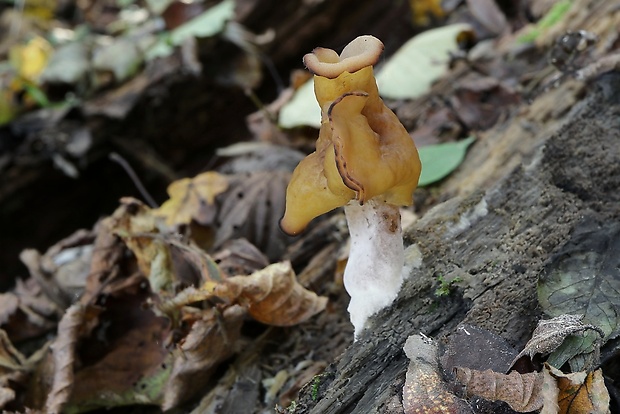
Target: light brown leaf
(240, 257)
(108, 251)
(581, 392)
(10, 358)
(522, 392)
(15, 368)
(27, 312)
(425, 391)
(193, 198)
(64, 356)
(272, 295)
(8, 306)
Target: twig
(134, 177)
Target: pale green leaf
(553, 16)
(123, 58)
(583, 278)
(209, 23)
(302, 110)
(419, 62)
(440, 160)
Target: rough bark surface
(496, 235)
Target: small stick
(134, 177)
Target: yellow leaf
(193, 199)
(30, 59)
(422, 9)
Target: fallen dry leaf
(551, 391)
(550, 333)
(489, 15)
(240, 257)
(522, 392)
(211, 341)
(581, 392)
(272, 295)
(193, 199)
(108, 252)
(14, 368)
(64, 356)
(27, 312)
(425, 391)
(252, 209)
(131, 364)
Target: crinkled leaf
(551, 333)
(139, 232)
(438, 161)
(425, 390)
(272, 295)
(15, 368)
(207, 24)
(581, 392)
(193, 198)
(419, 62)
(583, 278)
(165, 261)
(252, 209)
(302, 109)
(64, 348)
(522, 392)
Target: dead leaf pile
(156, 314)
(549, 390)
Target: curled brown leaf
(522, 392)
(272, 295)
(64, 356)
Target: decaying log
(526, 186)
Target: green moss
(445, 287)
(316, 381)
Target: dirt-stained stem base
(373, 273)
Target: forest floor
(196, 301)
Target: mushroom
(365, 161)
